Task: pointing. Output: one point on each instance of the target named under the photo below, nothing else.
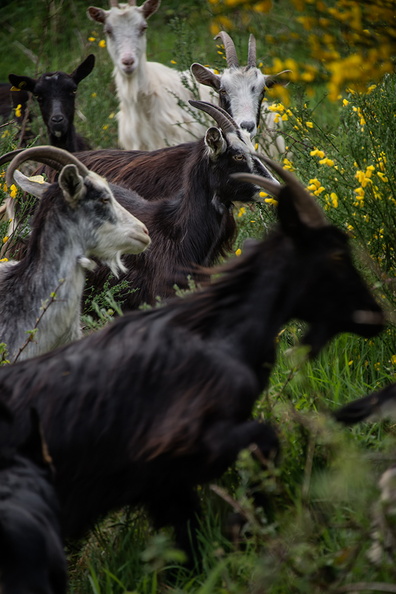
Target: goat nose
(248, 126)
(128, 61)
(57, 119)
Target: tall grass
(315, 529)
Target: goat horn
(310, 212)
(231, 55)
(47, 152)
(252, 52)
(7, 157)
(222, 118)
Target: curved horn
(222, 118)
(231, 55)
(252, 178)
(38, 153)
(252, 59)
(310, 212)
(7, 157)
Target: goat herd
(160, 400)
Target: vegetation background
(325, 528)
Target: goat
(31, 549)
(193, 223)
(77, 218)
(241, 92)
(152, 97)
(373, 407)
(160, 400)
(55, 93)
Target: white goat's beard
(115, 264)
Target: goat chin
(116, 265)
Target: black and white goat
(32, 558)
(241, 91)
(77, 218)
(191, 223)
(55, 93)
(152, 97)
(160, 401)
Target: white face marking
(244, 89)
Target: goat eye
(105, 200)
(143, 29)
(239, 157)
(223, 92)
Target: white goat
(154, 112)
(241, 91)
(77, 218)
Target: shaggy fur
(161, 400)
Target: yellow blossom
(287, 164)
(102, 43)
(309, 124)
(13, 191)
(327, 161)
(345, 102)
(263, 194)
(238, 252)
(18, 111)
(317, 153)
(5, 238)
(393, 359)
(334, 199)
(241, 211)
(91, 39)
(4, 260)
(271, 201)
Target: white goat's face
(116, 231)
(125, 29)
(241, 93)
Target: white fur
(149, 93)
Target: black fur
(31, 550)
(161, 400)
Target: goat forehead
(250, 82)
(99, 182)
(126, 18)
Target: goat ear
(215, 141)
(29, 185)
(97, 14)
(24, 83)
(83, 69)
(72, 185)
(150, 7)
(289, 217)
(205, 76)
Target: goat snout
(128, 63)
(249, 126)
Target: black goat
(56, 93)
(193, 224)
(373, 407)
(31, 549)
(160, 401)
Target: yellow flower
(13, 191)
(102, 43)
(241, 211)
(317, 153)
(5, 238)
(263, 194)
(91, 39)
(309, 124)
(271, 201)
(327, 161)
(93, 95)
(345, 102)
(334, 199)
(393, 359)
(18, 111)
(4, 260)
(238, 252)
(173, 62)
(288, 165)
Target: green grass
(315, 532)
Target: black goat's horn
(222, 118)
(231, 55)
(7, 157)
(59, 157)
(252, 59)
(310, 212)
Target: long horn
(7, 157)
(231, 55)
(222, 118)
(310, 212)
(252, 178)
(38, 153)
(252, 59)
